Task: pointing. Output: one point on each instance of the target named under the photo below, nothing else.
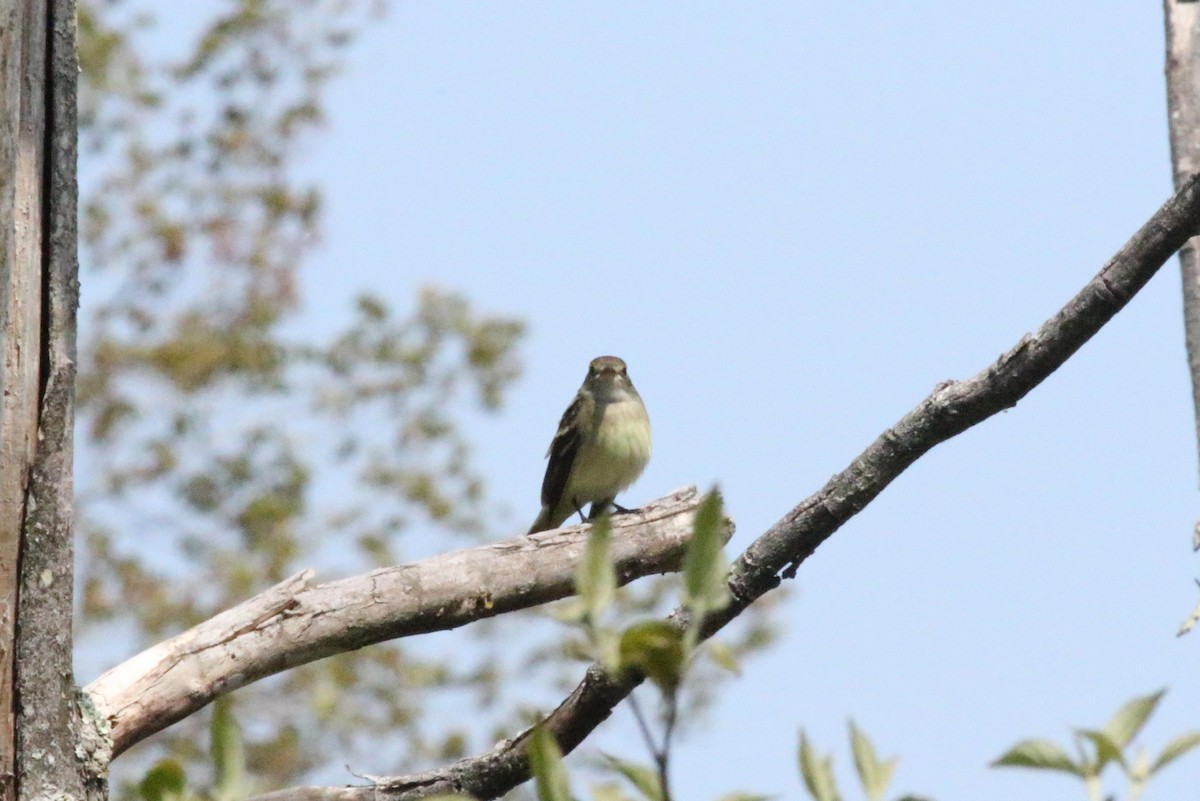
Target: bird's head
(607, 376)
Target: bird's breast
(625, 431)
(617, 454)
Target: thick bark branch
(1183, 117)
(292, 624)
(952, 408)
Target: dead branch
(292, 624)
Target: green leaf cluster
(553, 784)
(662, 650)
(1097, 749)
(874, 775)
(659, 649)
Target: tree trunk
(22, 33)
(1183, 116)
(46, 751)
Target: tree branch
(291, 623)
(952, 408)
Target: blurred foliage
(1097, 749)
(223, 445)
(167, 779)
(664, 651)
(874, 775)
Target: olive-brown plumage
(603, 444)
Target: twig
(671, 714)
(643, 725)
(660, 754)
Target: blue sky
(793, 220)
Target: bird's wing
(562, 453)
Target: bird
(602, 446)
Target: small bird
(602, 446)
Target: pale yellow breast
(615, 457)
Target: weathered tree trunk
(44, 752)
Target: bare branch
(292, 624)
(952, 408)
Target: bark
(292, 624)
(952, 407)
(42, 739)
(1183, 116)
(22, 121)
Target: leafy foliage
(874, 775)
(643, 778)
(656, 649)
(817, 772)
(549, 774)
(1109, 745)
(661, 650)
(222, 446)
(705, 567)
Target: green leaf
(163, 782)
(644, 778)
(568, 610)
(1139, 771)
(816, 772)
(704, 564)
(1106, 749)
(549, 773)
(723, 656)
(1039, 754)
(874, 775)
(655, 648)
(225, 747)
(1130, 718)
(608, 648)
(595, 578)
(1175, 749)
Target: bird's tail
(544, 522)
